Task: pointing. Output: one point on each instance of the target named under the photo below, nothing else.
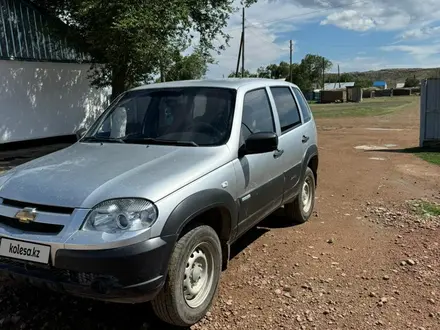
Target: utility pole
(243, 45)
(290, 67)
(323, 73)
(339, 77)
(239, 55)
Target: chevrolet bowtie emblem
(26, 215)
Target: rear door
(309, 128)
(260, 180)
(291, 138)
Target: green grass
(427, 208)
(368, 107)
(432, 157)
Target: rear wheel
(300, 210)
(193, 278)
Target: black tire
(295, 211)
(170, 304)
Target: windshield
(193, 116)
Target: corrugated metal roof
(379, 83)
(338, 85)
(24, 36)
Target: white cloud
(423, 32)
(265, 20)
(387, 15)
(358, 63)
(419, 52)
(269, 20)
(350, 19)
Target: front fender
(198, 203)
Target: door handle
(277, 153)
(305, 139)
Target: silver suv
(145, 206)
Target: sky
(359, 35)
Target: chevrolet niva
(146, 204)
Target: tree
(247, 74)
(309, 72)
(412, 82)
(363, 83)
(189, 67)
(278, 71)
(129, 41)
(263, 72)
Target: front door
(260, 177)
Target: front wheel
(300, 210)
(193, 278)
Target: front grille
(39, 207)
(34, 227)
(49, 272)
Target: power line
(305, 14)
(260, 36)
(265, 38)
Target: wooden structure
(430, 113)
(333, 96)
(354, 94)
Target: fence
(402, 92)
(430, 113)
(368, 93)
(383, 93)
(333, 96)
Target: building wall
(43, 99)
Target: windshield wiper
(160, 141)
(102, 139)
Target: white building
(338, 85)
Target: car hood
(85, 174)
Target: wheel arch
(213, 207)
(205, 202)
(311, 159)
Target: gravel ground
(367, 259)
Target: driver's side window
(257, 114)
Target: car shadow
(27, 307)
(277, 220)
(413, 150)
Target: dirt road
(364, 261)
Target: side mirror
(261, 142)
(80, 133)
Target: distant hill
(393, 76)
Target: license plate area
(22, 250)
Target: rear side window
(286, 107)
(305, 109)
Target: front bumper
(130, 274)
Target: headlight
(120, 215)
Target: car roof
(233, 83)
